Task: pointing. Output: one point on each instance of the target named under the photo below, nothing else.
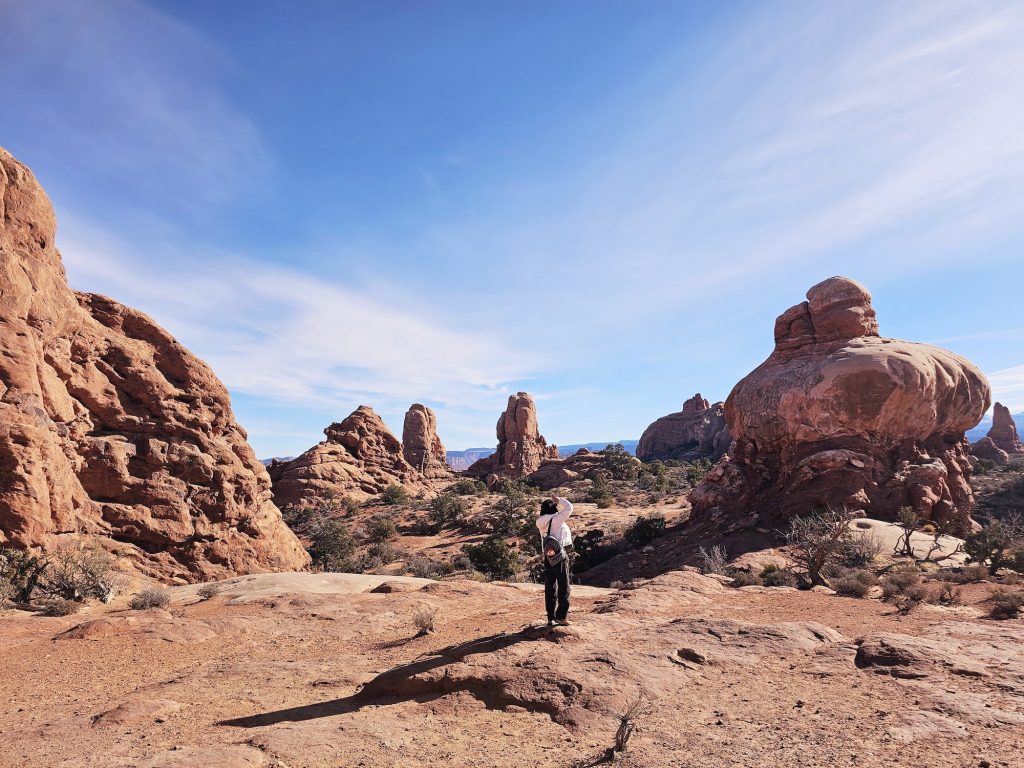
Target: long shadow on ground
(401, 683)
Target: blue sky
(602, 203)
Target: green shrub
(394, 495)
(332, 548)
(468, 487)
(618, 462)
(150, 598)
(599, 493)
(1006, 605)
(512, 507)
(694, 472)
(644, 530)
(381, 528)
(446, 510)
(493, 557)
(854, 582)
(380, 554)
(994, 544)
(773, 576)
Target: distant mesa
(1002, 443)
(838, 415)
(521, 448)
(698, 431)
(110, 430)
(460, 461)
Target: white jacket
(558, 527)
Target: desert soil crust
(304, 670)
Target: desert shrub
(1005, 605)
(468, 487)
(636, 710)
(773, 576)
(446, 509)
(984, 466)
(617, 584)
(599, 493)
(589, 549)
(850, 586)
(493, 557)
(946, 594)
(899, 581)
(19, 574)
(619, 463)
(461, 562)
(907, 520)
(644, 530)
(380, 554)
(966, 575)
(911, 597)
(81, 572)
(512, 506)
(394, 495)
(819, 540)
(150, 598)
(694, 472)
(860, 549)
(381, 528)
(745, 579)
(332, 548)
(425, 568)
(654, 477)
(58, 606)
(1017, 564)
(995, 543)
(423, 620)
(207, 591)
(714, 560)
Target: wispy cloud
(1008, 387)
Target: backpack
(554, 552)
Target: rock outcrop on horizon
(838, 415)
(421, 446)
(582, 465)
(521, 447)
(110, 430)
(698, 431)
(359, 459)
(1003, 433)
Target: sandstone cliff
(698, 431)
(109, 428)
(839, 415)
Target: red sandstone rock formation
(1004, 431)
(987, 449)
(838, 415)
(521, 448)
(109, 428)
(582, 465)
(696, 432)
(421, 446)
(359, 458)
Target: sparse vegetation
(512, 507)
(19, 574)
(619, 463)
(859, 550)
(599, 492)
(694, 472)
(907, 520)
(80, 572)
(425, 568)
(58, 606)
(1005, 605)
(819, 540)
(628, 720)
(493, 557)
(381, 528)
(332, 548)
(997, 543)
(151, 597)
(468, 487)
(854, 582)
(207, 591)
(714, 560)
(899, 581)
(745, 579)
(446, 510)
(423, 620)
(773, 576)
(380, 554)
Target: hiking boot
(562, 622)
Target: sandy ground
(274, 671)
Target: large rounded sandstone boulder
(838, 415)
(111, 430)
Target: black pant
(556, 576)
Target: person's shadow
(397, 684)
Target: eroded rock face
(582, 465)
(521, 447)
(698, 431)
(109, 428)
(1004, 431)
(421, 446)
(359, 458)
(839, 415)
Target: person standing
(555, 538)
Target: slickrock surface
(839, 415)
(698, 431)
(310, 670)
(359, 459)
(421, 446)
(110, 429)
(521, 447)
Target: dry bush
(946, 594)
(773, 576)
(80, 572)
(1005, 605)
(150, 597)
(819, 540)
(854, 582)
(906, 519)
(20, 571)
(58, 606)
(423, 620)
(897, 582)
(206, 591)
(628, 719)
(965, 575)
(745, 579)
(425, 568)
(714, 560)
(860, 549)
